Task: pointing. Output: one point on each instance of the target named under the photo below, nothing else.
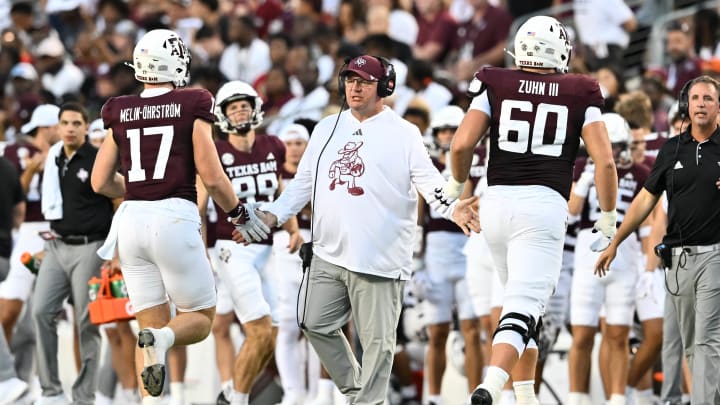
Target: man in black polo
(80, 220)
(688, 169)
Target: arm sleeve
(425, 176)
(298, 192)
(655, 182)
(205, 106)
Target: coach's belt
(81, 239)
(694, 250)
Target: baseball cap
(24, 70)
(96, 129)
(294, 131)
(51, 46)
(44, 115)
(366, 66)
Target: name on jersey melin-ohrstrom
(538, 88)
(149, 112)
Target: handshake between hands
(251, 224)
(463, 212)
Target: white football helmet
(233, 91)
(542, 42)
(448, 117)
(160, 56)
(619, 134)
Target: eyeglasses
(358, 82)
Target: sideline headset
(683, 101)
(386, 83)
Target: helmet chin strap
(241, 129)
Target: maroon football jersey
(154, 135)
(254, 175)
(630, 182)
(302, 217)
(536, 125)
(17, 154)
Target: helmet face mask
(542, 42)
(233, 91)
(160, 56)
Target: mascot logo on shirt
(347, 169)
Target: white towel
(51, 195)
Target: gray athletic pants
(333, 295)
(672, 352)
(65, 270)
(698, 311)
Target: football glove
(606, 225)
(246, 221)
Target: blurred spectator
(58, 74)
(481, 40)
(707, 40)
(299, 56)
(436, 30)
(351, 21)
(208, 47)
(110, 12)
(275, 91)
(378, 26)
(207, 77)
(21, 15)
(661, 101)
(309, 105)
(603, 26)
(383, 45)
(207, 10)
(181, 20)
(611, 86)
(247, 57)
(684, 65)
(69, 18)
(402, 25)
(418, 113)
(420, 83)
(328, 44)
(280, 45)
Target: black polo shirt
(84, 211)
(688, 170)
(10, 195)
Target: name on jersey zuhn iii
(252, 168)
(149, 112)
(538, 88)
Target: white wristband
(453, 188)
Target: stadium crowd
(283, 65)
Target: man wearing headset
(362, 171)
(687, 169)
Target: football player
(291, 345)
(617, 291)
(536, 116)
(445, 264)
(160, 139)
(252, 163)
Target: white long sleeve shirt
(365, 205)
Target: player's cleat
(481, 396)
(153, 375)
(222, 400)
